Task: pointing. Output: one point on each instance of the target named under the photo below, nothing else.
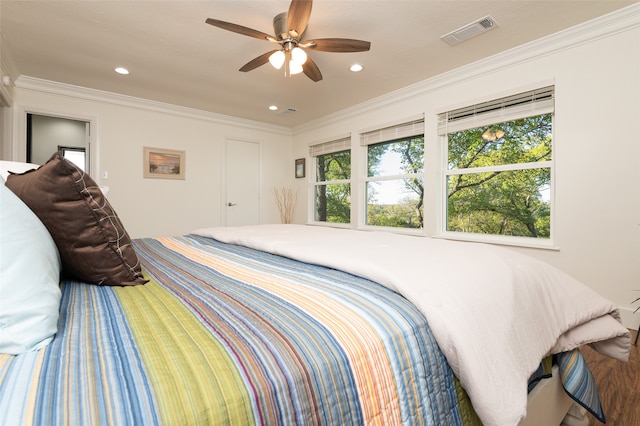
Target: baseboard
(629, 319)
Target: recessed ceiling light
(121, 70)
(356, 68)
(273, 108)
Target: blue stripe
(310, 379)
(579, 383)
(93, 319)
(298, 328)
(427, 379)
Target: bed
(291, 324)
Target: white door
(243, 183)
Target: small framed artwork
(163, 163)
(300, 168)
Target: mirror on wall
(46, 135)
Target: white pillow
(29, 278)
(15, 167)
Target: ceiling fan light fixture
(490, 136)
(277, 59)
(298, 56)
(289, 29)
(295, 68)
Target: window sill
(542, 244)
(405, 231)
(331, 224)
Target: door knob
(230, 204)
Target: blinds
(329, 147)
(527, 104)
(399, 131)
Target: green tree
(408, 214)
(333, 201)
(412, 157)
(501, 202)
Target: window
(74, 154)
(332, 186)
(394, 186)
(499, 166)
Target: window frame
(331, 147)
(387, 134)
(497, 116)
(64, 149)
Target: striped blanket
(224, 334)
(483, 303)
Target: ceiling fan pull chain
(287, 63)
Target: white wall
(122, 126)
(596, 72)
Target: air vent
(470, 30)
(288, 111)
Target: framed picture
(163, 163)
(300, 168)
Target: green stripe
(467, 413)
(190, 363)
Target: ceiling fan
(289, 29)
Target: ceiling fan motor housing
(280, 28)
(289, 29)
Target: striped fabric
(579, 383)
(227, 335)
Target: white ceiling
(175, 57)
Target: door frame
(20, 134)
(223, 178)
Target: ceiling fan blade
(337, 45)
(311, 70)
(256, 62)
(240, 29)
(298, 17)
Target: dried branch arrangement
(286, 199)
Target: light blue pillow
(29, 278)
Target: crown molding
(7, 69)
(622, 20)
(84, 93)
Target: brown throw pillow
(93, 244)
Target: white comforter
(494, 312)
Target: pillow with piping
(93, 243)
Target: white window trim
(540, 243)
(314, 184)
(503, 240)
(444, 128)
(392, 177)
(501, 168)
(387, 134)
(331, 182)
(323, 148)
(363, 220)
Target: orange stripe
(365, 350)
